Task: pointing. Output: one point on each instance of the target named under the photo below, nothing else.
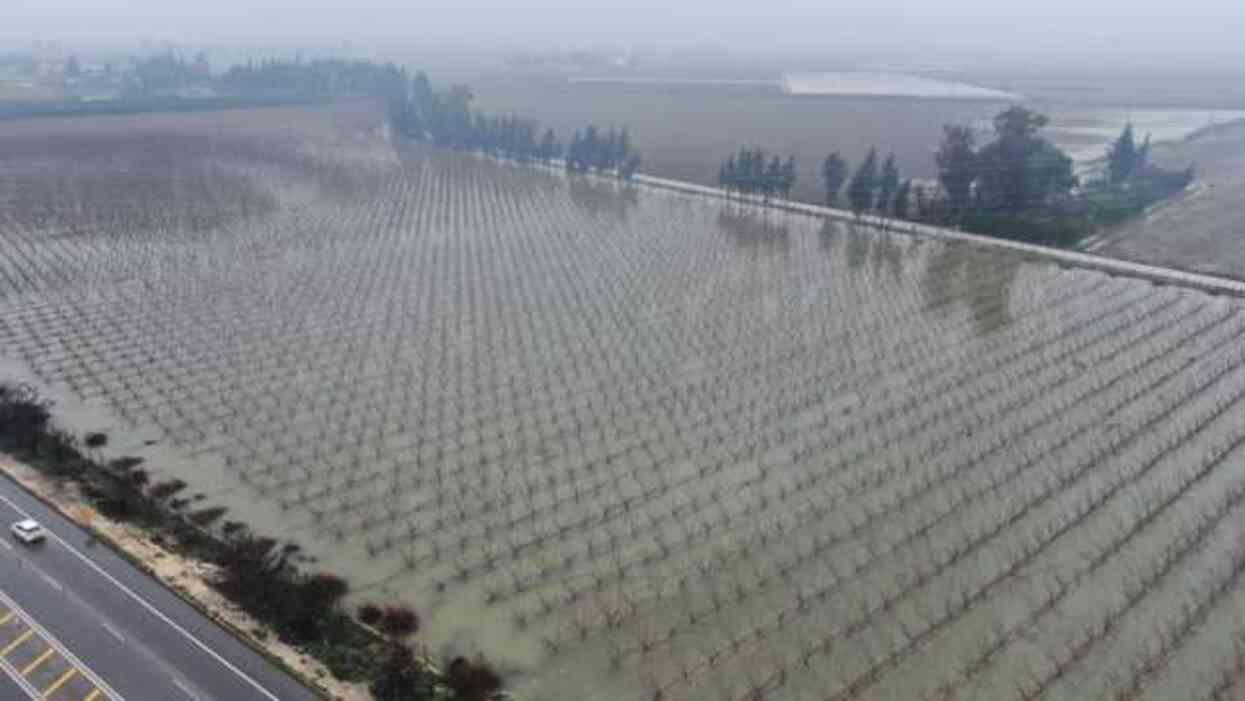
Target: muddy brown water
(636, 444)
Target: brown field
(1202, 230)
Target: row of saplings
(259, 574)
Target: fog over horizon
(1198, 31)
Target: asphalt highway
(79, 622)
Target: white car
(28, 531)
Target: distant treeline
(170, 103)
(446, 117)
(168, 82)
(1018, 186)
(321, 78)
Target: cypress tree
(862, 190)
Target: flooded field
(888, 85)
(1085, 134)
(637, 444)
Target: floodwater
(638, 444)
(889, 85)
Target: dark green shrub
(399, 621)
(402, 678)
(166, 489)
(207, 517)
(125, 464)
(370, 614)
(472, 680)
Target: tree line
(1017, 185)
(753, 172)
(417, 110)
(1020, 185)
(871, 189)
(610, 151)
(446, 117)
(324, 78)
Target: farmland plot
(636, 444)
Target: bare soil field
(1202, 230)
(639, 444)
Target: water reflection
(883, 252)
(601, 198)
(961, 275)
(888, 256)
(752, 230)
(465, 172)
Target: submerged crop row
(645, 445)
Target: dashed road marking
(115, 633)
(34, 664)
(52, 583)
(40, 669)
(204, 647)
(185, 689)
(69, 673)
(16, 642)
(24, 685)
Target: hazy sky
(1139, 27)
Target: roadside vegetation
(266, 578)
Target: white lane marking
(115, 633)
(152, 609)
(55, 644)
(52, 582)
(19, 680)
(6, 544)
(185, 689)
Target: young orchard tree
(833, 175)
(862, 190)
